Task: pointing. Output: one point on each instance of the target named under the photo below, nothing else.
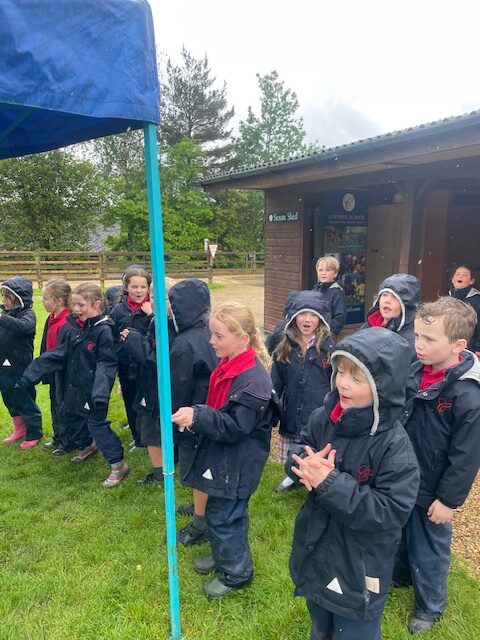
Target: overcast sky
(358, 67)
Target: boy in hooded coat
(350, 525)
(395, 306)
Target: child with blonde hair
(90, 363)
(234, 426)
(328, 268)
(69, 431)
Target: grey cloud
(334, 122)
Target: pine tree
(192, 108)
(277, 132)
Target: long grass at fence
(78, 562)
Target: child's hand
(147, 307)
(124, 334)
(183, 418)
(313, 469)
(438, 513)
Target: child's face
(225, 343)
(389, 306)
(307, 323)
(353, 389)
(9, 301)
(462, 278)
(432, 345)
(324, 274)
(49, 302)
(84, 308)
(137, 288)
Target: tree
(49, 201)
(192, 108)
(187, 210)
(277, 133)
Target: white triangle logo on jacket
(334, 585)
(6, 363)
(207, 475)
(143, 402)
(86, 406)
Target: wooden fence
(109, 265)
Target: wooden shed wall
(283, 253)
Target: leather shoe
(204, 564)
(419, 625)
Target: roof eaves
(375, 142)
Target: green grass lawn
(81, 562)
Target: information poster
(345, 237)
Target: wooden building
(406, 202)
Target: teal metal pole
(163, 366)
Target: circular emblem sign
(348, 202)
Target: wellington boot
(19, 430)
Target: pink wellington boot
(19, 430)
(28, 444)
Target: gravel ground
(466, 528)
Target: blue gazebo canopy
(72, 70)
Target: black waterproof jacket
(70, 330)
(334, 298)
(142, 349)
(443, 423)
(302, 383)
(125, 318)
(234, 441)
(17, 329)
(471, 296)
(192, 358)
(348, 530)
(90, 363)
(406, 290)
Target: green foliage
(192, 108)
(276, 133)
(237, 223)
(49, 201)
(187, 210)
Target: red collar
(429, 377)
(55, 323)
(223, 375)
(376, 319)
(135, 306)
(336, 413)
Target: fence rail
(109, 265)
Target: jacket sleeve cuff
(324, 486)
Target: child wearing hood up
(192, 360)
(361, 475)
(395, 306)
(301, 368)
(17, 332)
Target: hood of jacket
(473, 372)
(190, 303)
(384, 357)
(302, 301)
(21, 288)
(406, 289)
